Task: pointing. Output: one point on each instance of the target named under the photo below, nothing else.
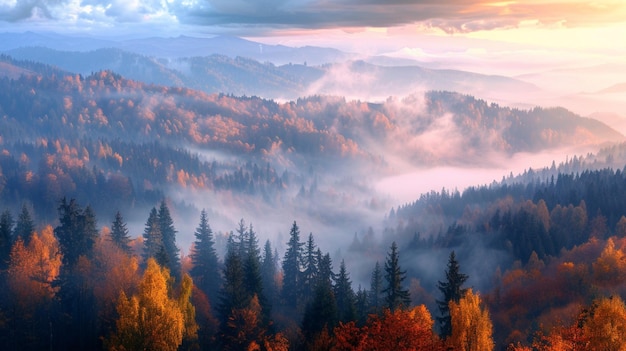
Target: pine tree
(292, 262)
(395, 295)
(376, 290)
(310, 269)
(233, 294)
(205, 271)
(6, 242)
(321, 312)
(76, 232)
(25, 227)
(119, 234)
(168, 235)
(252, 272)
(344, 295)
(241, 238)
(152, 238)
(268, 272)
(452, 290)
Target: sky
(496, 37)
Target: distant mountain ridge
(246, 76)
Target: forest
(85, 285)
(84, 159)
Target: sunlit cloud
(451, 16)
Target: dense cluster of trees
(75, 286)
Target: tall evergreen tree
(119, 233)
(292, 262)
(325, 273)
(233, 294)
(205, 270)
(168, 235)
(395, 295)
(376, 290)
(268, 272)
(152, 238)
(321, 311)
(310, 269)
(25, 227)
(452, 290)
(344, 295)
(241, 238)
(252, 269)
(76, 232)
(6, 240)
(362, 306)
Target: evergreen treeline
(76, 287)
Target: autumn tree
(113, 271)
(190, 330)
(609, 270)
(606, 327)
(396, 296)
(471, 325)
(205, 270)
(452, 290)
(30, 276)
(151, 319)
(401, 330)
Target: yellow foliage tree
(150, 320)
(471, 325)
(606, 328)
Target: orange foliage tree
(400, 330)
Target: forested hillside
(82, 158)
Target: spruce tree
(395, 295)
(6, 240)
(268, 272)
(321, 311)
(344, 295)
(376, 290)
(168, 235)
(233, 294)
(252, 271)
(76, 232)
(205, 271)
(119, 233)
(25, 226)
(452, 290)
(292, 262)
(152, 238)
(310, 269)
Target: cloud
(452, 16)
